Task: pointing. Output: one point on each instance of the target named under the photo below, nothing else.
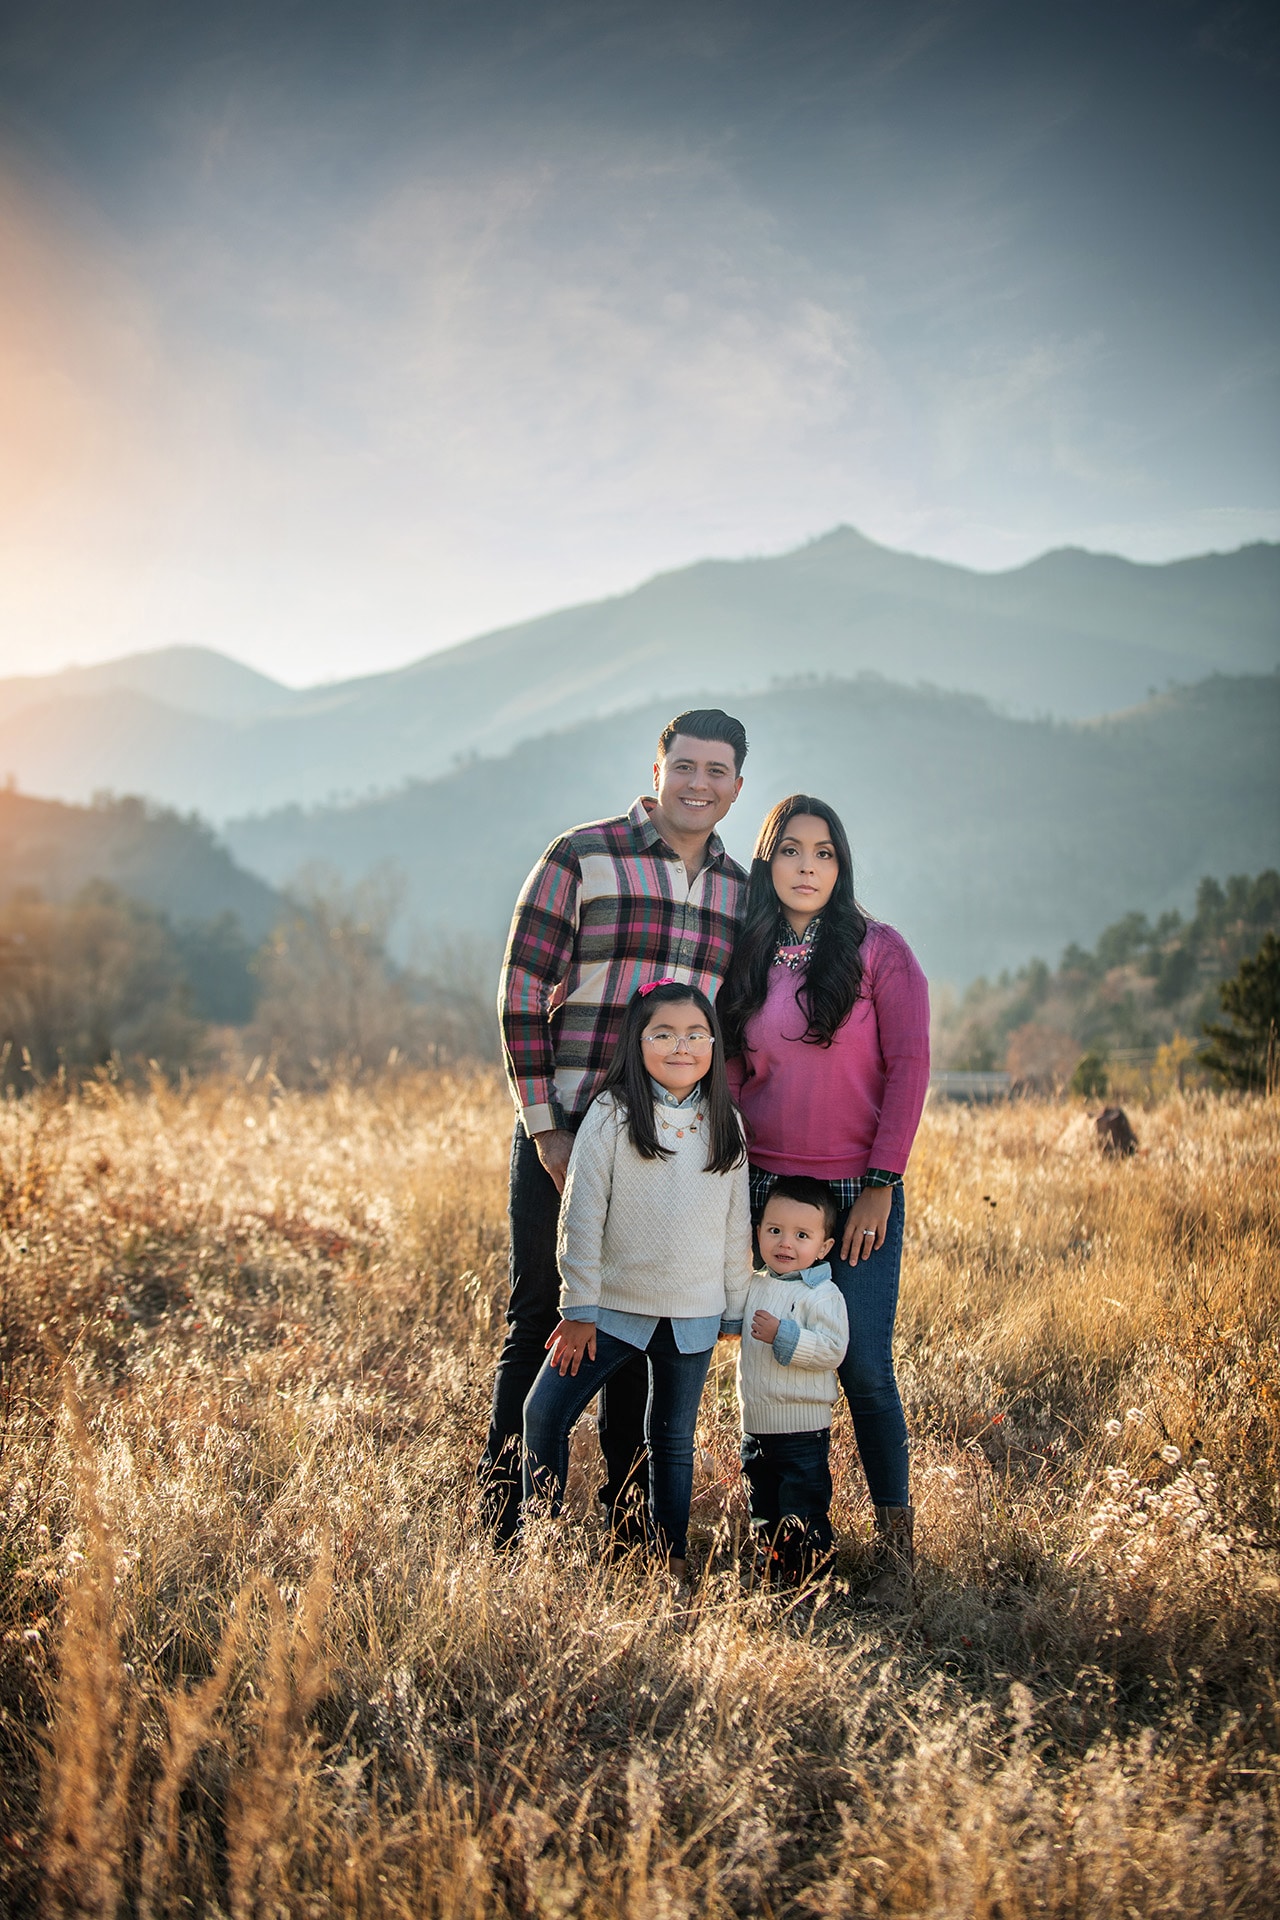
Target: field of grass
(256, 1659)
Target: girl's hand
(764, 1326)
(571, 1339)
(864, 1230)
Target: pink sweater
(835, 1111)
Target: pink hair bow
(655, 984)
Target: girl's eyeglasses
(697, 1042)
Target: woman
(826, 1023)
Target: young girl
(655, 1244)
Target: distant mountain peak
(842, 538)
(843, 532)
(188, 679)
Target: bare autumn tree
(1041, 1057)
(455, 982)
(332, 1000)
(95, 980)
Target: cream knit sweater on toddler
(790, 1387)
(658, 1236)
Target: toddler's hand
(764, 1326)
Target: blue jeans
(789, 1488)
(533, 1311)
(676, 1381)
(871, 1296)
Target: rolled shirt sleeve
(539, 951)
(818, 1348)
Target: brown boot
(894, 1554)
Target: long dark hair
(629, 1082)
(833, 976)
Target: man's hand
(764, 1326)
(571, 1339)
(864, 1230)
(554, 1148)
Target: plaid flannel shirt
(607, 908)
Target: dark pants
(677, 1380)
(789, 1490)
(533, 1311)
(866, 1373)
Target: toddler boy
(795, 1330)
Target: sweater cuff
(785, 1342)
(806, 1350)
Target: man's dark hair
(808, 1192)
(706, 723)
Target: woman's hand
(864, 1230)
(571, 1339)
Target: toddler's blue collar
(812, 1276)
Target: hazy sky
(329, 335)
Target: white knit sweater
(790, 1387)
(658, 1236)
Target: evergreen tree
(1247, 1052)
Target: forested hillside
(986, 839)
(1142, 986)
(172, 863)
(129, 937)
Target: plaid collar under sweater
(793, 949)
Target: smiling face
(805, 868)
(696, 783)
(792, 1235)
(677, 1045)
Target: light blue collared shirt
(638, 1329)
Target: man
(611, 905)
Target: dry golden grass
(257, 1661)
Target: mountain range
(984, 837)
(1071, 635)
(174, 865)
